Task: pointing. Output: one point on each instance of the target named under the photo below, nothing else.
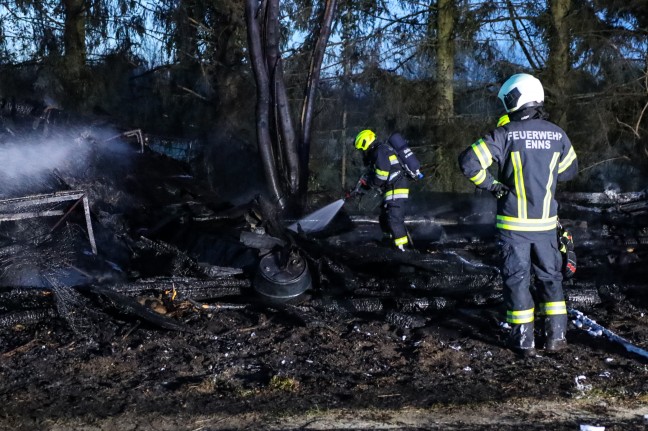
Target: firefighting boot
(521, 339)
(555, 328)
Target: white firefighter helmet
(521, 90)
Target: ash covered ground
(163, 329)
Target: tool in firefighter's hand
(360, 188)
(566, 246)
(498, 189)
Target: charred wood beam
(9, 208)
(216, 307)
(602, 199)
(582, 297)
(13, 204)
(405, 320)
(130, 306)
(182, 264)
(446, 285)
(187, 287)
(21, 298)
(27, 215)
(363, 257)
(26, 317)
(380, 305)
(634, 207)
(260, 241)
(409, 220)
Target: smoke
(36, 164)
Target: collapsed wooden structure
(174, 254)
(48, 205)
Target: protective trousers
(518, 258)
(392, 214)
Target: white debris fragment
(609, 360)
(467, 368)
(455, 347)
(605, 374)
(591, 428)
(595, 332)
(581, 386)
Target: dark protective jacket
(386, 172)
(532, 155)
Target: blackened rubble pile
(84, 236)
(168, 253)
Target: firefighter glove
(498, 189)
(355, 193)
(566, 244)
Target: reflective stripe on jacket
(532, 155)
(386, 172)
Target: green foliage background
(181, 70)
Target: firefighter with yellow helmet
(532, 155)
(391, 165)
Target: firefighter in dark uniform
(532, 154)
(385, 172)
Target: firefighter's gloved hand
(566, 245)
(498, 189)
(363, 183)
(351, 194)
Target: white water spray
(318, 220)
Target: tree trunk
(347, 52)
(287, 133)
(445, 60)
(558, 64)
(74, 37)
(74, 57)
(260, 70)
(309, 98)
(286, 140)
(278, 147)
(187, 35)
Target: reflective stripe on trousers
(518, 259)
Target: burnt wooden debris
(46, 206)
(150, 245)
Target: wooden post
(86, 210)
